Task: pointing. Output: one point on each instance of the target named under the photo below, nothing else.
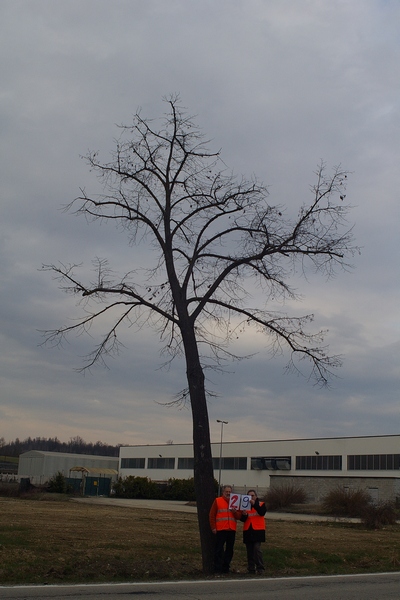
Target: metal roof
(32, 453)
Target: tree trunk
(203, 465)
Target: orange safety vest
(224, 519)
(254, 519)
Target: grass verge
(67, 542)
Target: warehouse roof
(32, 453)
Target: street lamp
(220, 453)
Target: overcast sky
(277, 85)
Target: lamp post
(220, 453)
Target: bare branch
(215, 235)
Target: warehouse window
(185, 463)
(319, 463)
(231, 463)
(132, 463)
(161, 463)
(271, 463)
(373, 462)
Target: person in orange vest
(223, 525)
(254, 533)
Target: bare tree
(211, 234)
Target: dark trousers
(224, 542)
(254, 557)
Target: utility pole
(220, 454)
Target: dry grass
(48, 542)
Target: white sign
(239, 502)
(245, 502)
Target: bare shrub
(284, 496)
(376, 516)
(9, 488)
(344, 502)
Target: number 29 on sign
(239, 502)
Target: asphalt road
(383, 586)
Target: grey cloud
(277, 88)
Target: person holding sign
(223, 524)
(254, 532)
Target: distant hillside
(76, 445)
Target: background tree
(17, 447)
(210, 233)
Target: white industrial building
(41, 466)
(318, 464)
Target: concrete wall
(317, 486)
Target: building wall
(41, 466)
(316, 487)
(316, 450)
